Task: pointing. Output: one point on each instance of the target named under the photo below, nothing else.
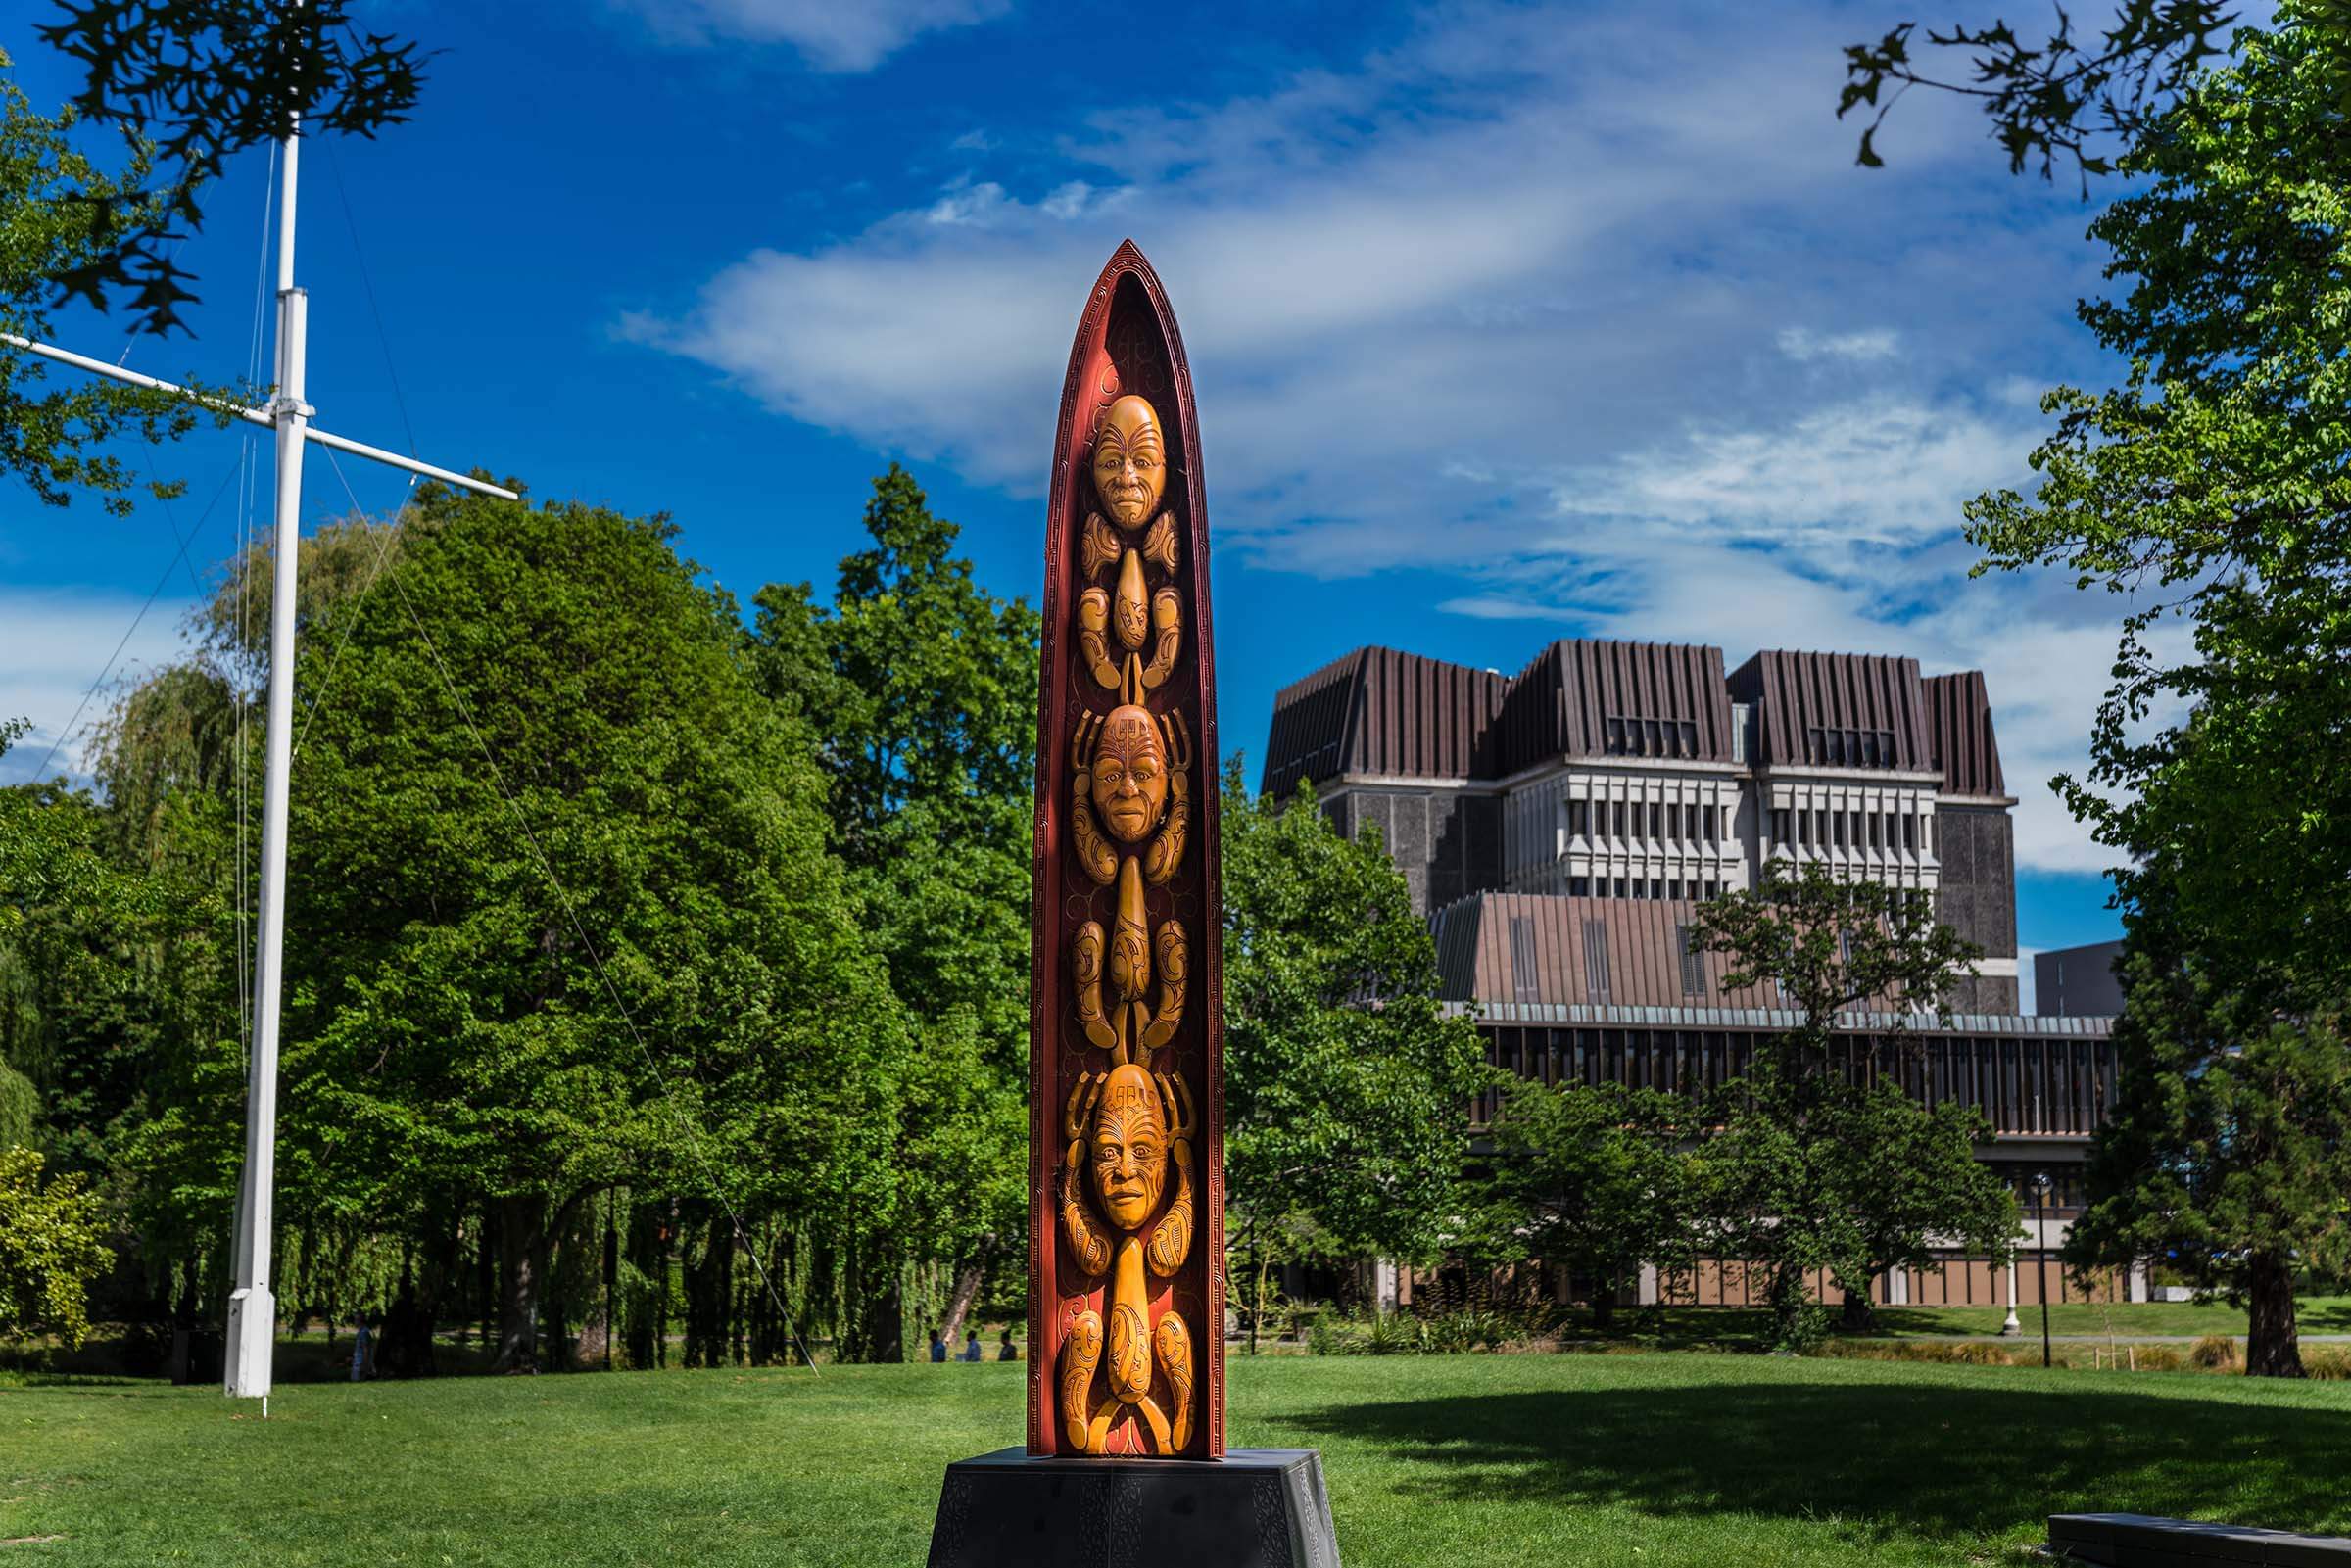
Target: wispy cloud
(833, 35)
(1592, 322)
(53, 649)
(1803, 345)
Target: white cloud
(1803, 345)
(52, 648)
(835, 35)
(1510, 306)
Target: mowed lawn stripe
(1551, 1459)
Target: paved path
(2119, 1337)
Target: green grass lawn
(1648, 1459)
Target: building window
(1621, 888)
(1526, 984)
(1596, 960)
(1694, 962)
(1579, 886)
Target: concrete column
(1383, 1284)
(1648, 1285)
(2011, 1327)
(2138, 1282)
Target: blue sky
(1509, 322)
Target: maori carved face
(1130, 461)
(1131, 773)
(1130, 1148)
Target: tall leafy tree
(1796, 1174)
(2228, 1151)
(1348, 1086)
(2215, 486)
(566, 918)
(922, 686)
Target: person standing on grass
(361, 1344)
(938, 1347)
(1006, 1350)
(971, 1346)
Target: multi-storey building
(1559, 829)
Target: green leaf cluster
(2211, 492)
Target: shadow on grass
(1886, 1461)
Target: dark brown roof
(1562, 703)
(1856, 710)
(1378, 711)
(1959, 728)
(1535, 947)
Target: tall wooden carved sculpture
(1125, 1010)
(1125, 1162)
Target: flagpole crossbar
(265, 415)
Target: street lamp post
(2009, 1326)
(2040, 1224)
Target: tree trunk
(1860, 1316)
(647, 1257)
(522, 1248)
(2273, 1348)
(959, 1303)
(1604, 1303)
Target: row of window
(1849, 749)
(1643, 887)
(1650, 738)
(1820, 828)
(2021, 1085)
(1629, 818)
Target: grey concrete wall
(1448, 844)
(1976, 847)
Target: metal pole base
(2011, 1327)
(252, 1336)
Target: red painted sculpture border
(1071, 495)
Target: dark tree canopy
(202, 80)
(2052, 97)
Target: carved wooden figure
(1127, 1141)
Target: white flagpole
(252, 1307)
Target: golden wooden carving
(1130, 781)
(1129, 1130)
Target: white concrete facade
(1626, 827)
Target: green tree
(52, 1245)
(921, 687)
(565, 912)
(1348, 1086)
(1796, 1172)
(54, 206)
(1593, 1180)
(2215, 486)
(2228, 1151)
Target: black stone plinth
(1252, 1508)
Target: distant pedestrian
(938, 1347)
(971, 1346)
(363, 1349)
(1006, 1350)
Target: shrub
(2214, 1352)
(2328, 1364)
(2160, 1359)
